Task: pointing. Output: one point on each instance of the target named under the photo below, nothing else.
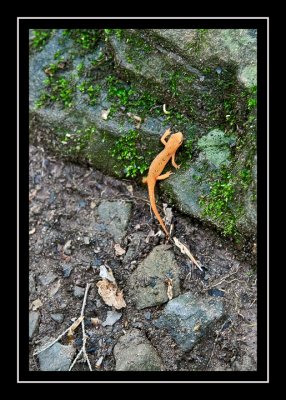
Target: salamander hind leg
(164, 176)
(163, 138)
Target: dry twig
(70, 331)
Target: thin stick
(223, 280)
(84, 335)
(53, 342)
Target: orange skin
(157, 166)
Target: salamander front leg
(166, 134)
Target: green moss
(76, 142)
(129, 97)
(217, 204)
(40, 39)
(85, 39)
(128, 150)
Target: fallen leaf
(168, 214)
(150, 234)
(130, 188)
(119, 250)
(92, 205)
(136, 118)
(55, 288)
(106, 273)
(104, 114)
(110, 294)
(99, 362)
(186, 251)
(36, 304)
(66, 248)
(170, 288)
(32, 231)
(33, 194)
(112, 317)
(75, 325)
(95, 321)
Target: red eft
(157, 166)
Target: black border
(167, 376)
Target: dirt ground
(63, 199)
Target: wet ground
(68, 245)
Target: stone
(58, 317)
(147, 284)
(187, 318)
(48, 278)
(56, 358)
(115, 215)
(34, 319)
(78, 292)
(67, 269)
(134, 352)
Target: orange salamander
(157, 166)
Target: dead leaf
(36, 304)
(119, 250)
(110, 294)
(92, 205)
(95, 321)
(99, 362)
(55, 288)
(136, 118)
(66, 248)
(106, 273)
(186, 251)
(33, 194)
(32, 231)
(75, 325)
(130, 188)
(168, 214)
(169, 282)
(104, 114)
(150, 234)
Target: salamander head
(176, 140)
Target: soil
(63, 201)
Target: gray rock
(134, 352)
(34, 319)
(56, 358)
(67, 269)
(187, 318)
(115, 216)
(32, 285)
(215, 147)
(111, 318)
(47, 278)
(58, 317)
(147, 284)
(78, 292)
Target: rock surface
(188, 318)
(147, 285)
(115, 216)
(34, 319)
(134, 352)
(56, 358)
